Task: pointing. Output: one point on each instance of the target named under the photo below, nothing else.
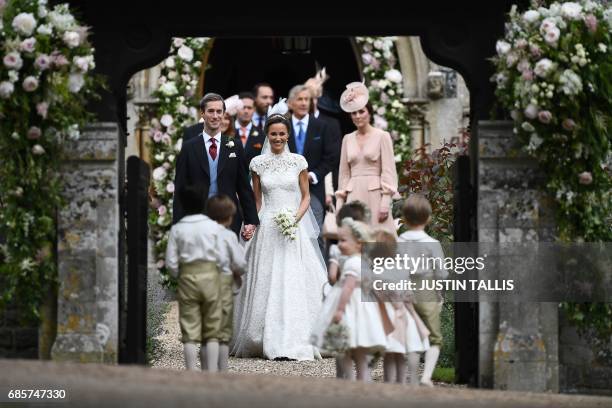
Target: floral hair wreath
(359, 229)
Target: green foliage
(430, 173)
(444, 374)
(44, 87)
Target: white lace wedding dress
(282, 289)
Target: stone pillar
(518, 341)
(88, 256)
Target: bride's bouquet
(286, 223)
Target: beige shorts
(199, 306)
(226, 298)
(430, 314)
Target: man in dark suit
(264, 97)
(334, 128)
(251, 138)
(311, 138)
(218, 163)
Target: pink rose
(591, 22)
(157, 136)
(545, 116)
(42, 108)
(527, 75)
(59, 60)
(585, 178)
(535, 50)
(28, 45)
(166, 166)
(34, 133)
(170, 187)
(43, 61)
(162, 210)
(166, 139)
(568, 124)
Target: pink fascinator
(232, 105)
(355, 97)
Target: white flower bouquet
(336, 339)
(286, 223)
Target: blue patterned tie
(300, 138)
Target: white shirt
(296, 128)
(207, 141)
(238, 127)
(193, 238)
(434, 250)
(233, 257)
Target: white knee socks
(413, 367)
(400, 365)
(431, 358)
(210, 355)
(191, 356)
(223, 356)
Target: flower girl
(410, 335)
(363, 323)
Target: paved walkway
(92, 385)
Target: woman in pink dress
(367, 162)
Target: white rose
(24, 23)
(502, 47)
(169, 62)
(547, 24)
(534, 141)
(168, 89)
(185, 53)
(531, 16)
(28, 45)
(60, 20)
(81, 63)
(543, 67)
(166, 120)
(13, 60)
(571, 11)
(38, 150)
(552, 36)
(75, 82)
(13, 76)
(42, 12)
(72, 39)
(73, 132)
(527, 127)
(44, 29)
(178, 42)
(531, 111)
(30, 84)
(183, 110)
(6, 89)
(393, 75)
(159, 173)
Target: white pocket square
(232, 154)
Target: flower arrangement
(286, 223)
(385, 82)
(45, 83)
(177, 98)
(553, 70)
(336, 339)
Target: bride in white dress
(281, 295)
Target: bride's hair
(277, 118)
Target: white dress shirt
(193, 238)
(296, 127)
(232, 254)
(239, 127)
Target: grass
(444, 374)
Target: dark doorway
(236, 64)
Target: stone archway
(127, 42)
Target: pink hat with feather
(355, 97)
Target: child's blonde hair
(358, 229)
(416, 209)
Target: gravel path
(170, 356)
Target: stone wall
(518, 341)
(88, 242)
